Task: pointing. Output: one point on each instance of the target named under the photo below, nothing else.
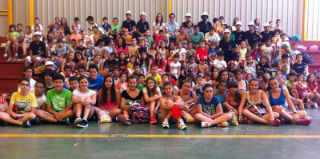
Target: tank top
(257, 103)
(281, 100)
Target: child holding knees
(171, 105)
(84, 100)
(210, 111)
(281, 103)
(108, 101)
(152, 94)
(255, 106)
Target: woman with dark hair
(210, 110)
(64, 27)
(145, 63)
(130, 97)
(79, 60)
(152, 94)
(223, 74)
(158, 24)
(121, 47)
(84, 100)
(171, 105)
(255, 106)
(190, 100)
(108, 101)
(159, 62)
(280, 102)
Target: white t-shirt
(213, 38)
(220, 64)
(175, 67)
(182, 54)
(158, 27)
(41, 100)
(79, 94)
(41, 28)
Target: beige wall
(48, 9)
(289, 11)
(3, 18)
(312, 21)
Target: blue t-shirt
(209, 108)
(95, 84)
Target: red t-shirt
(203, 53)
(160, 66)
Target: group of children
(207, 73)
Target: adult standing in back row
(129, 23)
(227, 46)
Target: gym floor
(145, 141)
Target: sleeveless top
(281, 100)
(190, 98)
(257, 103)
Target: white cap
(239, 23)
(143, 13)
(37, 33)
(188, 15)
(49, 63)
(251, 23)
(227, 31)
(128, 12)
(204, 13)
(266, 24)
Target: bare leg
(151, 108)
(28, 116)
(254, 117)
(46, 116)
(7, 118)
(87, 109)
(78, 108)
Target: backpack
(139, 114)
(307, 59)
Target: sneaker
(5, 54)
(181, 125)
(26, 124)
(276, 122)
(165, 124)
(307, 105)
(315, 105)
(234, 120)
(205, 124)
(305, 122)
(124, 119)
(83, 124)
(104, 119)
(66, 121)
(77, 121)
(9, 59)
(223, 124)
(153, 120)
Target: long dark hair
(234, 84)
(105, 91)
(153, 91)
(158, 62)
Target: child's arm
(122, 104)
(11, 113)
(219, 112)
(201, 112)
(150, 99)
(75, 99)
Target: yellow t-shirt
(23, 103)
(157, 78)
(243, 53)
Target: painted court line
(157, 136)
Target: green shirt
(59, 101)
(118, 27)
(195, 39)
(140, 87)
(13, 34)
